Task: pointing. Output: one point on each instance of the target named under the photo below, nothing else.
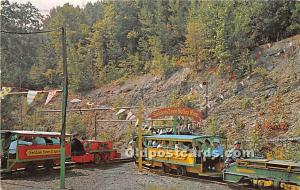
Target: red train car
(30, 149)
(97, 152)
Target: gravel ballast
(111, 177)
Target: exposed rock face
(244, 102)
(265, 101)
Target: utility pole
(63, 110)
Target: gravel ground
(117, 176)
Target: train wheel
(105, 157)
(49, 165)
(31, 167)
(184, 172)
(6, 175)
(165, 168)
(97, 159)
(181, 170)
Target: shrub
(261, 71)
(77, 124)
(212, 125)
(246, 103)
(104, 136)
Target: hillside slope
(263, 104)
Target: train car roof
(34, 133)
(180, 137)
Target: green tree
(294, 28)
(176, 27)
(273, 19)
(18, 52)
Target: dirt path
(113, 177)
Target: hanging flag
(75, 100)
(51, 94)
(120, 111)
(130, 116)
(30, 96)
(4, 91)
(89, 104)
(201, 86)
(242, 83)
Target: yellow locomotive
(184, 153)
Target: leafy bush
(212, 125)
(76, 124)
(104, 136)
(261, 71)
(246, 103)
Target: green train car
(262, 173)
(276, 174)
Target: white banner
(31, 95)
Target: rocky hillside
(260, 105)
(266, 100)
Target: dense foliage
(115, 40)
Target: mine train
(48, 155)
(274, 174)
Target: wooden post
(21, 113)
(140, 136)
(34, 117)
(206, 98)
(95, 125)
(175, 124)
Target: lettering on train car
(38, 152)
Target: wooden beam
(86, 109)
(118, 120)
(39, 91)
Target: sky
(45, 5)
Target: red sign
(188, 112)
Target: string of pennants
(31, 94)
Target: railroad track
(200, 179)
(41, 171)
